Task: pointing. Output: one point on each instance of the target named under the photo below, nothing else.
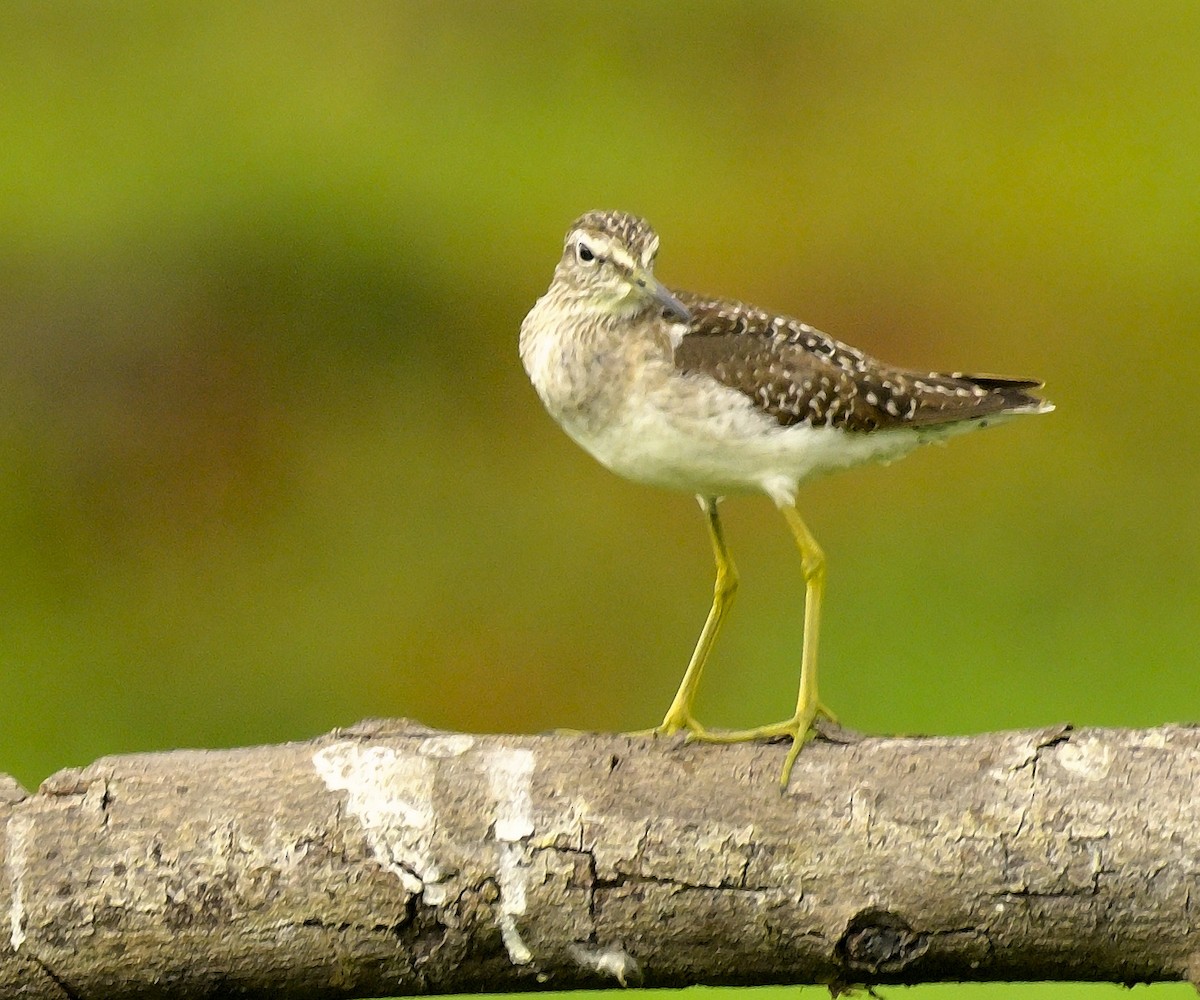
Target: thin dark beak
(663, 297)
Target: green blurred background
(269, 462)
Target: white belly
(730, 448)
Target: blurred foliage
(270, 463)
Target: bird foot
(800, 728)
(680, 722)
(675, 722)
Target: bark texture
(391, 859)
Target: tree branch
(392, 859)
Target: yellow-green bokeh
(269, 464)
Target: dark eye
(585, 253)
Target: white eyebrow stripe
(620, 256)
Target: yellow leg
(679, 715)
(808, 706)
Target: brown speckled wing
(797, 374)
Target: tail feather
(1015, 392)
(941, 404)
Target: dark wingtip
(1017, 395)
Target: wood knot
(878, 941)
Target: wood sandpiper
(717, 397)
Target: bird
(717, 398)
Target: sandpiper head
(608, 260)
